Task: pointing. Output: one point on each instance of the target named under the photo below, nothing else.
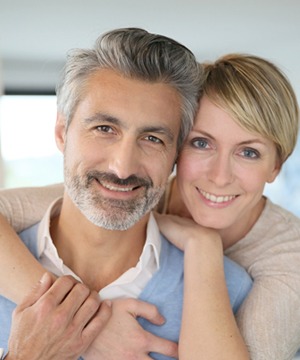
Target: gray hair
(136, 54)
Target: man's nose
(125, 159)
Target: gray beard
(111, 214)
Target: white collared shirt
(129, 284)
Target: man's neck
(98, 256)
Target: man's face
(120, 148)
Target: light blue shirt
(165, 290)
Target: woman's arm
(22, 207)
(19, 269)
(208, 327)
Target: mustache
(132, 180)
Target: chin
(213, 224)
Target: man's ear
(60, 132)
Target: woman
(245, 130)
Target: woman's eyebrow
(253, 141)
(245, 142)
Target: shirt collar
(44, 227)
(153, 239)
(152, 245)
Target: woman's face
(222, 170)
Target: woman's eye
(199, 143)
(251, 154)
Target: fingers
(37, 291)
(151, 313)
(85, 305)
(163, 346)
(61, 287)
(139, 308)
(78, 297)
(97, 322)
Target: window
(29, 153)
(285, 190)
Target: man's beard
(112, 214)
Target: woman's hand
(183, 231)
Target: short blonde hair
(257, 95)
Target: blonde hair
(257, 95)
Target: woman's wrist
(206, 240)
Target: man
(124, 109)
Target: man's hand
(56, 321)
(124, 339)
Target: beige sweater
(269, 319)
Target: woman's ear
(274, 173)
(60, 132)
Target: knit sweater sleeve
(23, 207)
(269, 318)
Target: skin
(132, 123)
(62, 319)
(208, 324)
(123, 337)
(51, 301)
(230, 164)
(203, 264)
(222, 171)
(118, 128)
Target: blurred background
(36, 35)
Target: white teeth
(217, 199)
(116, 188)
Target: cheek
(83, 154)
(187, 174)
(160, 172)
(253, 181)
(190, 168)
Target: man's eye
(104, 128)
(199, 143)
(251, 154)
(154, 139)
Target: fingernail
(108, 303)
(44, 278)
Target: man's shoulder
(167, 248)
(238, 281)
(29, 237)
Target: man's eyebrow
(102, 117)
(164, 130)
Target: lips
(117, 188)
(113, 183)
(217, 199)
